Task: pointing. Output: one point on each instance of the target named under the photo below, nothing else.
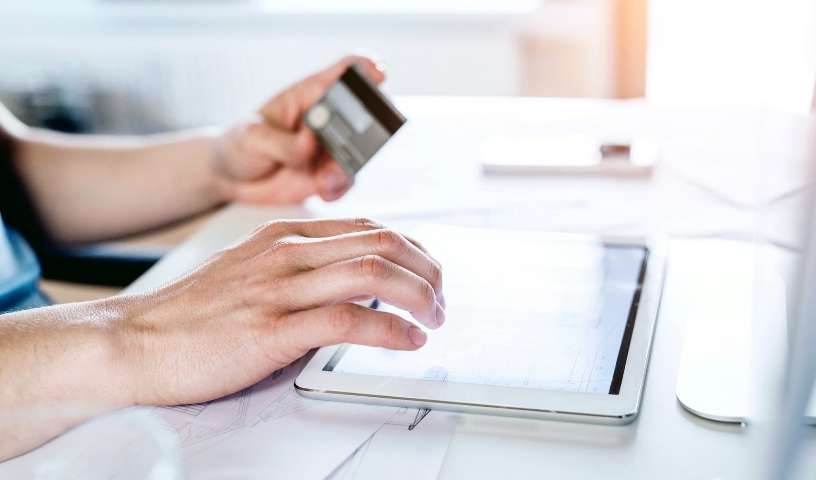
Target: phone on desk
(567, 154)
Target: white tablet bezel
(314, 382)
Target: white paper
(268, 430)
(308, 444)
(265, 431)
(395, 452)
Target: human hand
(260, 305)
(274, 157)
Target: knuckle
(281, 225)
(343, 320)
(427, 293)
(253, 130)
(260, 229)
(374, 267)
(285, 248)
(389, 240)
(435, 275)
(276, 228)
(270, 226)
(366, 223)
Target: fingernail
(441, 299)
(417, 336)
(440, 315)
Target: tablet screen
(523, 310)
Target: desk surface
(431, 171)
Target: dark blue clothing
(19, 273)
(19, 268)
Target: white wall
(176, 64)
(756, 53)
(211, 64)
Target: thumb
(287, 186)
(291, 149)
(332, 181)
(350, 323)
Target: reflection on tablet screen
(524, 310)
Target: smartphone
(567, 154)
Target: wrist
(223, 185)
(118, 352)
(132, 338)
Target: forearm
(59, 366)
(89, 188)
(247, 312)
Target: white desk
(431, 171)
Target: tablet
(538, 325)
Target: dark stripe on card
(380, 108)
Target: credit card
(354, 120)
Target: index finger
(267, 234)
(286, 109)
(389, 244)
(348, 323)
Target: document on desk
(395, 452)
(265, 431)
(268, 431)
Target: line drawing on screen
(554, 320)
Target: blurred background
(144, 66)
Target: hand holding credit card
(353, 120)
